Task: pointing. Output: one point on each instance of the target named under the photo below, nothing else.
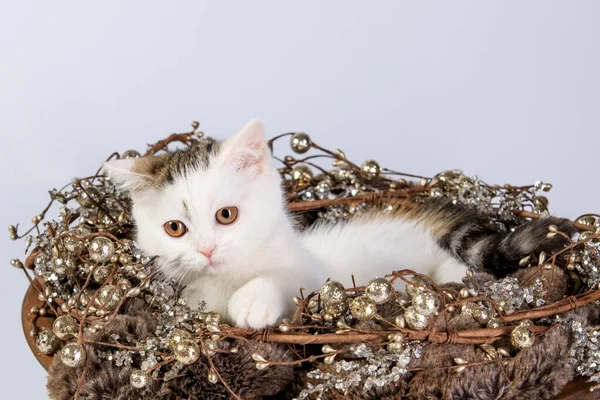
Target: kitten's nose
(207, 250)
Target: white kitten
(216, 217)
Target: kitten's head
(207, 209)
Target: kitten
(215, 216)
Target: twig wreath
(87, 273)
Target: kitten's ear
(132, 174)
(247, 149)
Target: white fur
(260, 262)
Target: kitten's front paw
(257, 304)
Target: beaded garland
(90, 266)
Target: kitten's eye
(175, 228)
(226, 215)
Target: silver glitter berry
(425, 302)
(380, 290)
(521, 337)
(47, 342)
(101, 249)
(72, 355)
(139, 379)
(414, 320)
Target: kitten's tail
(470, 236)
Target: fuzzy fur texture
(536, 373)
(104, 381)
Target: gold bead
(425, 302)
(464, 293)
(370, 170)
(521, 337)
(400, 322)
(212, 376)
(139, 379)
(380, 290)
(16, 263)
(414, 320)
(300, 142)
(396, 337)
(302, 174)
(329, 359)
(363, 308)
(326, 349)
(72, 355)
(542, 258)
(340, 154)
(176, 337)
(344, 172)
(64, 265)
(101, 274)
(101, 249)
(285, 325)
(334, 298)
(258, 357)
(289, 160)
(74, 245)
(523, 262)
(481, 314)
(12, 229)
(503, 352)
(65, 327)
(262, 366)
(109, 297)
(187, 352)
(47, 342)
(395, 347)
(141, 275)
(342, 325)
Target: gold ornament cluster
(90, 268)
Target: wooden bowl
(575, 390)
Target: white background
(505, 90)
